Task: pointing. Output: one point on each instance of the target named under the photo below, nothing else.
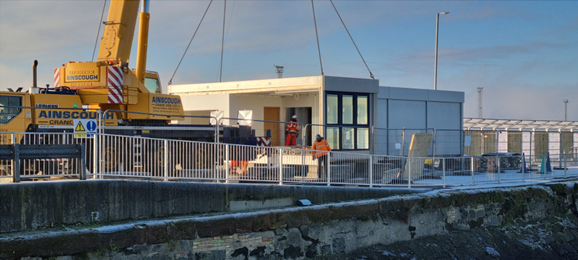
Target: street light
(436, 57)
(565, 109)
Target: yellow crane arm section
(118, 33)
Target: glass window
(9, 113)
(347, 110)
(362, 118)
(362, 138)
(348, 138)
(348, 113)
(332, 109)
(153, 85)
(333, 137)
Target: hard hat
(294, 117)
(317, 135)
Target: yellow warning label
(79, 127)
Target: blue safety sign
(84, 128)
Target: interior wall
(257, 103)
(194, 104)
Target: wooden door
(273, 114)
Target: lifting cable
(97, 33)
(223, 41)
(317, 36)
(198, 26)
(370, 74)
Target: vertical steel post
(408, 172)
(370, 171)
(498, 164)
(523, 174)
(328, 168)
(15, 160)
(531, 138)
(82, 162)
(227, 163)
(565, 165)
(280, 166)
(166, 159)
(472, 169)
(302, 164)
(95, 141)
(444, 171)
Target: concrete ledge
(365, 222)
(37, 206)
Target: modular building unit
(353, 114)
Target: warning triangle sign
(79, 127)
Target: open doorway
(304, 117)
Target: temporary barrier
(133, 157)
(44, 155)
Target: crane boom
(119, 30)
(109, 83)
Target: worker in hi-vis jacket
(292, 131)
(320, 151)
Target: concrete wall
(33, 206)
(311, 232)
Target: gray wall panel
(381, 113)
(443, 115)
(351, 85)
(446, 96)
(407, 113)
(408, 94)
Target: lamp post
(565, 109)
(436, 56)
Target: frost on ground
(492, 251)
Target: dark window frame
(340, 125)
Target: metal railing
(119, 156)
(48, 165)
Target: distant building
(531, 137)
(353, 114)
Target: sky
(524, 54)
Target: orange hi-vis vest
(293, 127)
(320, 146)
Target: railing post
(565, 165)
(95, 153)
(303, 163)
(524, 162)
(16, 163)
(444, 171)
(95, 145)
(227, 163)
(498, 164)
(408, 172)
(280, 166)
(328, 166)
(472, 169)
(166, 159)
(370, 171)
(82, 162)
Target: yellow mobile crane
(109, 85)
(105, 84)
